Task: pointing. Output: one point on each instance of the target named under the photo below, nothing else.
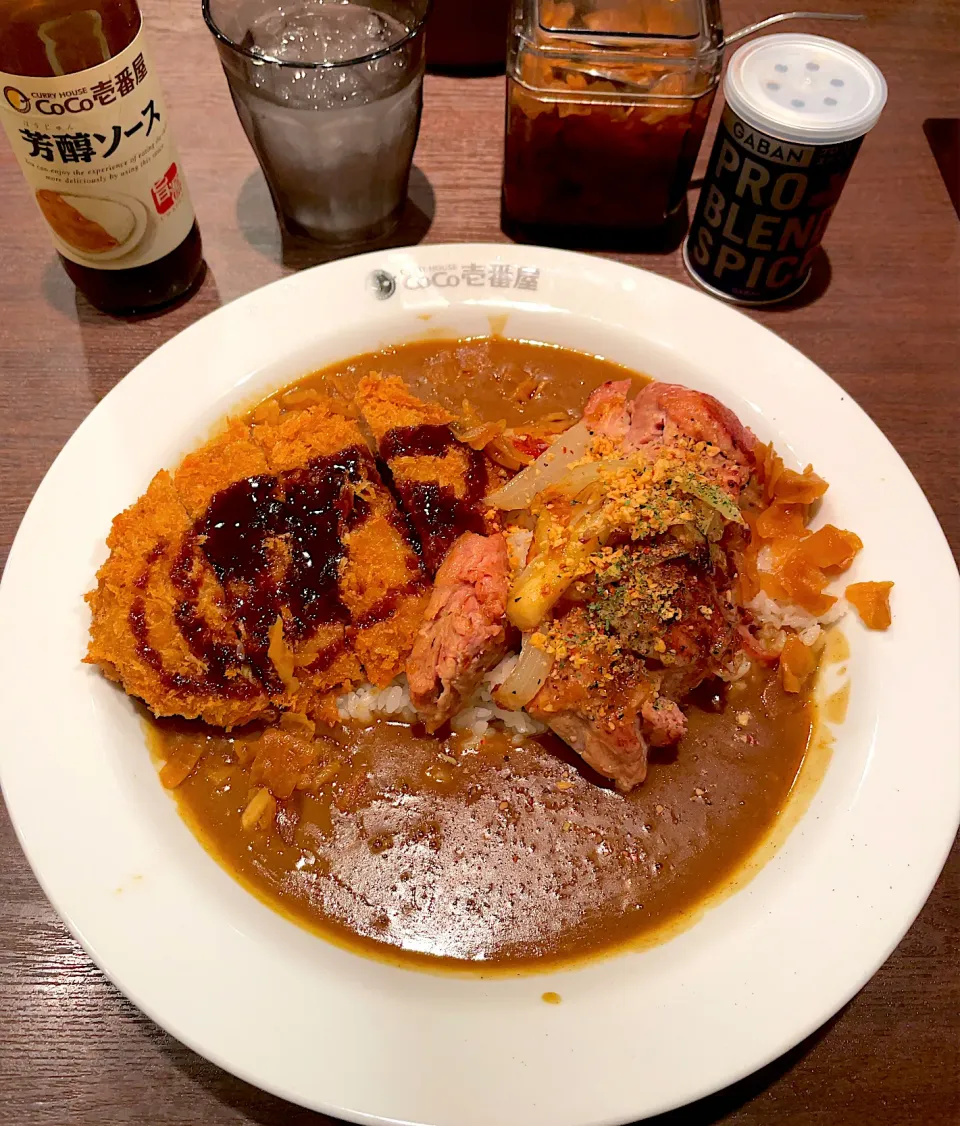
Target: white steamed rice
(769, 611)
(481, 712)
(365, 703)
(473, 721)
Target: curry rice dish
(508, 679)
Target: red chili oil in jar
(606, 110)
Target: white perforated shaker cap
(805, 88)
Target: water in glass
(335, 142)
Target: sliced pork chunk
(607, 411)
(664, 413)
(649, 622)
(464, 631)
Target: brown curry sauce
(515, 857)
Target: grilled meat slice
(440, 482)
(627, 654)
(651, 623)
(464, 631)
(664, 413)
(607, 410)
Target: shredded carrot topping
(797, 563)
(872, 603)
(830, 548)
(797, 662)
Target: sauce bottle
(80, 101)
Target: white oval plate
(635, 1034)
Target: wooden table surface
(887, 327)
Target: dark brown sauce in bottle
(435, 512)
(467, 38)
(23, 52)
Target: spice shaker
(606, 107)
(797, 109)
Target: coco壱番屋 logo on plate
(382, 284)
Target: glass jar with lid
(607, 102)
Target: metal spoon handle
(751, 28)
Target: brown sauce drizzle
(223, 659)
(146, 652)
(400, 520)
(235, 533)
(327, 655)
(416, 441)
(436, 514)
(222, 655)
(155, 553)
(138, 626)
(385, 607)
(319, 506)
(310, 509)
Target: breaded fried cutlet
(227, 489)
(373, 581)
(160, 627)
(440, 482)
(270, 571)
(230, 456)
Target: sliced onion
(576, 480)
(549, 468)
(537, 590)
(582, 476)
(476, 437)
(526, 677)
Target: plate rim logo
(382, 284)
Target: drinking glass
(329, 95)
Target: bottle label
(97, 151)
(763, 208)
